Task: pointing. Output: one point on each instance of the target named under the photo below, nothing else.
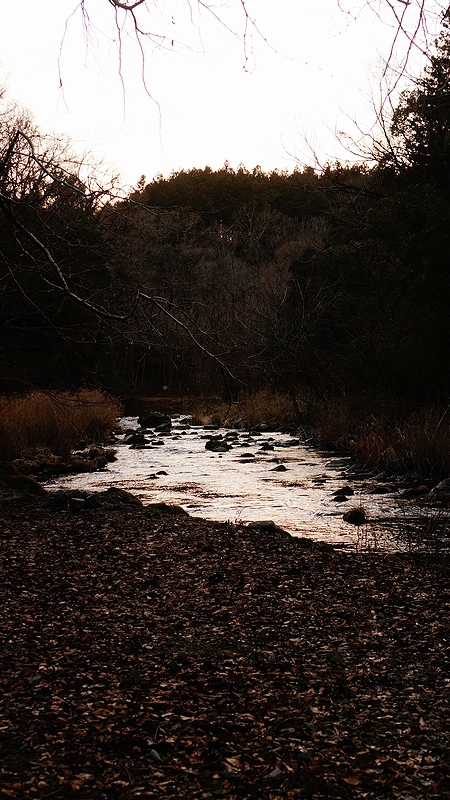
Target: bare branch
(126, 6)
(161, 303)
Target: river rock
(93, 500)
(416, 491)
(135, 438)
(262, 525)
(165, 427)
(386, 489)
(217, 445)
(356, 516)
(443, 486)
(59, 499)
(342, 495)
(154, 419)
(76, 504)
(116, 496)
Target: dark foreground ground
(150, 655)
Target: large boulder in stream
(217, 444)
(154, 419)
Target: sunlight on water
(241, 485)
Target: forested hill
(220, 194)
(227, 248)
(332, 282)
(335, 280)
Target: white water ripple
(233, 486)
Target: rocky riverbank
(146, 653)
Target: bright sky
(204, 102)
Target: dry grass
(275, 408)
(420, 443)
(385, 437)
(334, 421)
(56, 421)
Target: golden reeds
(54, 420)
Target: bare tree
(61, 292)
(414, 25)
(152, 24)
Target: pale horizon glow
(205, 103)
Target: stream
(270, 476)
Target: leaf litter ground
(153, 655)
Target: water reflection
(245, 484)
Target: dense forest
(332, 282)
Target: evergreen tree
(421, 122)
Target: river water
(242, 485)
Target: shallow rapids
(243, 485)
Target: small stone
(416, 491)
(93, 501)
(383, 490)
(76, 504)
(262, 525)
(340, 498)
(355, 516)
(276, 775)
(116, 495)
(59, 499)
(34, 680)
(443, 486)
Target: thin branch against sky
(156, 87)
